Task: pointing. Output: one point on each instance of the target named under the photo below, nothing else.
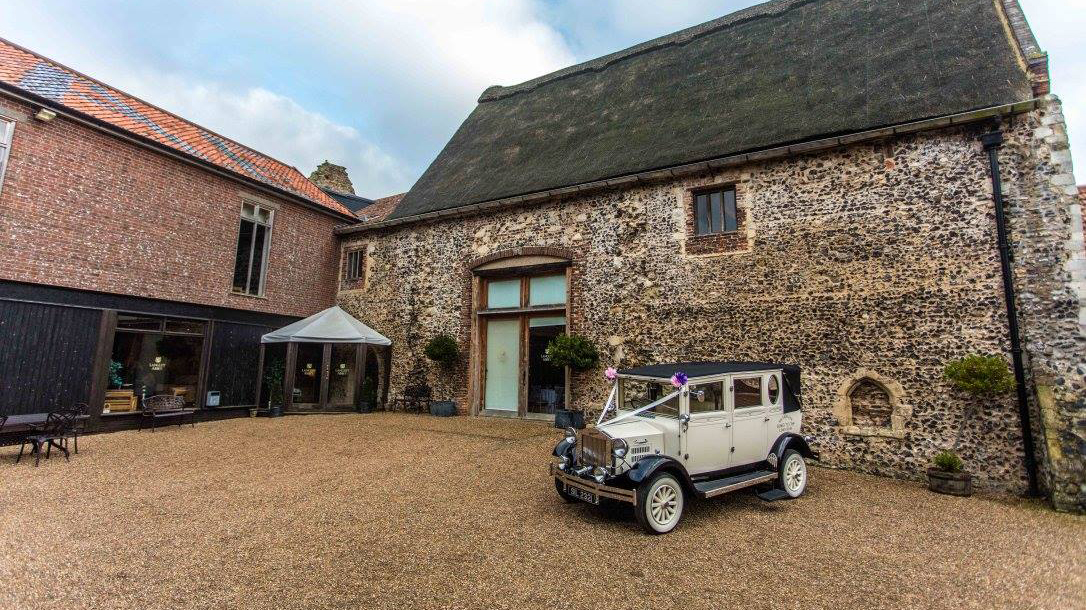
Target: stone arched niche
(869, 404)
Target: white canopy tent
(324, 364)
(333, 325)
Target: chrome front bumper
(603, 491)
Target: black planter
(275, 411)
(952, 483)
(566, 418)
(443, 408)
(365, 407)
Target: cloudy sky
(380, 86)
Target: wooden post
(288, 375)
(103, 353)
(326, 369)
(205, 365)
(361, 352)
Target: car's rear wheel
(561, 488)
(660, 503)
(793, 478)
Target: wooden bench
(162, 406)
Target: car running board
(708, 489)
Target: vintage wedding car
(673, 431)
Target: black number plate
(582, 495)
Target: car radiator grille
(595, 448)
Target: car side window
(747, 392)
(774, 389)
(706, 397)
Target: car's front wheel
(793, 474)
(660, 503)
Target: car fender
(646, 467)
(791, 440)
(563, 447)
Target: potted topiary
(947, 476)
(273, 379)
(444, 351)
(579, 354)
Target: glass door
(308, 370)
(502, 391)
(343, 375)
(546, 382)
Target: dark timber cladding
(777, 73)
(57, 343)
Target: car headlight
(599, 474)
(571, 436)
(620, 448)
(563, 461)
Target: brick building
(801, 181)
(131, 236)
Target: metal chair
(51, 434)
(78, 425)
(163, 406)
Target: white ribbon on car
(607, 407)
(644, 408)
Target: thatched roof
(781, 72)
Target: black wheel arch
(791, 440)
(646, 467)
(562, 448)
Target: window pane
(248, 210)
(730, 219)
(149, 364)
(263, 215)
(241, 260)
(130, 322)
(702, 211)
(748, 392)
(191, 327)
(547, 290)
(637, 394)
(504, 293)
(343, 378)
(774, 389)
(706, 397)
(715, 214)
(255, 271)
(547, 321)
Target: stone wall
(869, 266)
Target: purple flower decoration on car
(679, 379)
(611, 373)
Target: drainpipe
(992, 141)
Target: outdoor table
(29, 421)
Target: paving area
(400, 511)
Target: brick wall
(83, 209)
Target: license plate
(582, 495)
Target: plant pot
(952, 483)
(568, 418)
(365, 407)
(275, 411)
(443, 408)
(252, 412)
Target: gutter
(99, 125)
(703, 166)
(992, 141)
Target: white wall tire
(793, 477)
(660, 503)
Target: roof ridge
(773, 8)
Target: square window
(503, 293)
(547, 290)
(715, 212)
(747, 392)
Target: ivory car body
(670, 432)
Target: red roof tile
(48, 79)
(380, 208)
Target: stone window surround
(900, 411)
(714, 244)
(358, 283)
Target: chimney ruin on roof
(332, 177)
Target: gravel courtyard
(400, 511)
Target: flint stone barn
(801, 181)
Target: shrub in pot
(947, 476)
(443, 350)
(579, 354)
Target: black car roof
(705, 369)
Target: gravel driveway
(399, 511)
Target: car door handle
(766, 419)
(728, 425)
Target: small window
(774, 389)
(705, 398)
(715, 212)
(503, 293)
(251, 260)
(7, 128)
(547, 290)
(748, 392)
(354, 265)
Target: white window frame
(269, 225)
(7, 130)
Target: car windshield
(637, 394)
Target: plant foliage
(443, 350)
(115, 379)
(948, 461)
(574, 351)
(980, 375)
(273, 379)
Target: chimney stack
(332, 177)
